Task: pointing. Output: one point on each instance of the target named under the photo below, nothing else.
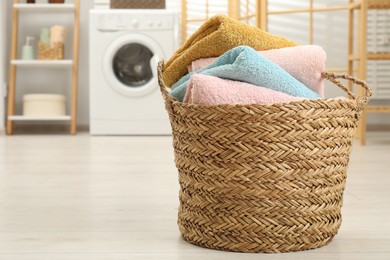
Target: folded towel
(45, 36)
(209, 90)
(244, 64)
(305, 63)
(216, 36)
(57, 34)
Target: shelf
(43, 63)
(55, 8)
(378, 4)
(378, 109)
(39, 118)
(372, 56)
(372, 4)
(378, 56)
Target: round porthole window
(131, 65)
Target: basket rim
(328, 101)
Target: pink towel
(305, 63)
(210, 90)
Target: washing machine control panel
(118, 21)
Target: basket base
(249, 244)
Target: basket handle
(161, 83)
(167, 98)
(333, 78)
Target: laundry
(216, 36)
(243, 63)
(304, 62)
(209, 90)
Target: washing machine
(125, 47)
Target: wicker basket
(137, 4)
(263, 178)
(47, 53)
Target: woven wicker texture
(47, 53)
(263, 178)
(137, 4)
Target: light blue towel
(245, 64)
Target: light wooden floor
(92, 198)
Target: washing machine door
(130, 64)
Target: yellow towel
(216, 36)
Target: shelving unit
(18, 8)
(361, 54)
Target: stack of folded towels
(229, 62)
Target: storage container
(44, 105)
(137, 4)
(263, 178)
(47, 53)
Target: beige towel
(57, 34)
